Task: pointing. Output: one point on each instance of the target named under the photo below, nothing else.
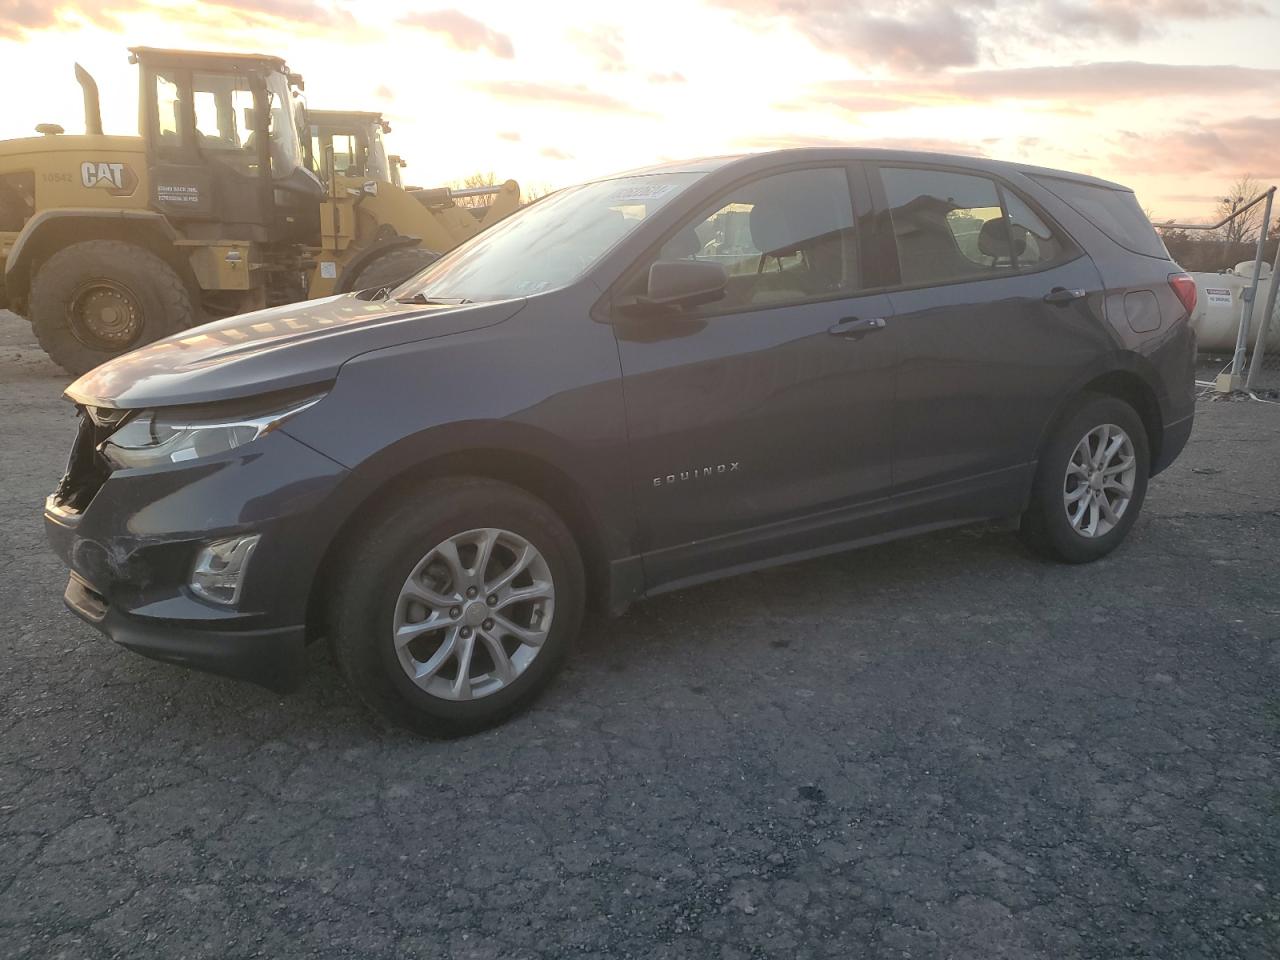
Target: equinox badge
(697, 473)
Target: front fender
(18, 262)
(543, 387)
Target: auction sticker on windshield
(642, 192)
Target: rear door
(996, 311)
(758, 423)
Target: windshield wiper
(437, 301)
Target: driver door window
(783, 239)
(169, 111)
(224, 114)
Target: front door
(760, 422)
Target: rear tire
(97, 299)
(393, 268)
(370, 611)
(1084, 501)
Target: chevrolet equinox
(631, 386)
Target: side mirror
(685, 283)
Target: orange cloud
(1223, 149)
(928, 144)
(18, 16)
(463, 32)
(1068, 87)
(564, 96)
(928, 36)
(604, 45)
(21, 17)
(1111, 81)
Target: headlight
(175, 434)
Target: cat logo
(118, 179)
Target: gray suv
(632, 386)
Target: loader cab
(356, 138)
(224, 136)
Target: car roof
(837, 154)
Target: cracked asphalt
(933, 748)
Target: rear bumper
(272, 658)
(1172, 441)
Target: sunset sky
(1175, 97)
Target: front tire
(97, 299)
(1090, 483)
(393, 268)
(457, 606)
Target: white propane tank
(1219, 299)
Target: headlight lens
(176, 434)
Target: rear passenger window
(951, 226)
(947, 226)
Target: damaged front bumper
(131, 538)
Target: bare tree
(1241, 230)
(534, 193)
(479, 179)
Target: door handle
(1061, 296)
(855, 326)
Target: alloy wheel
(473, 614)
(1099, 483)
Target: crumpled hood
(274, 349)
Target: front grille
(87, 471)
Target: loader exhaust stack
(92, 106)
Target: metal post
(1246, 309)
(1268, 311)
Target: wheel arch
(52, 230)
(526, 471)
(386, 241)
(1124, 383)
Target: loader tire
(97, 299)
(393, 268)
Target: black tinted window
(951, 226)
(1115, 212)
(785, 238)
(947, 226)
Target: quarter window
(786, 238)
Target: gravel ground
(933, 748)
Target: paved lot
(935, 748)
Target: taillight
(1184, 288)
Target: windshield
(288, 125)
(376, 168)
(548, 244)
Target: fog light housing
(219, 569)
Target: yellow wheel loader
(350, 145)
(109, 242)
